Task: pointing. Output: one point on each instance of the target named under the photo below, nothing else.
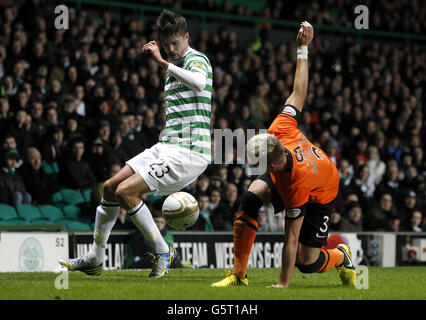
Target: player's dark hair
(170, 23)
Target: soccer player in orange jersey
(301, 179)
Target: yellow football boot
(231, 280)
(346, 270)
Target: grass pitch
(194, 284)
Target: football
(180, 210)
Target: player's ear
(272, 167)
(187, 36)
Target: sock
(245, 230)
(333, 258)
(106, 215)
(142, 218)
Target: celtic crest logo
(31, 257)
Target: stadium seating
(58, 200)
(51, 212)
(87, 193)
(66, 197)
(14, 222)
(70, 196)
(63, 221)
(28, 212)
(71, 211)
(78, 225)
(7, 212)
(41, 221)
(51, 169)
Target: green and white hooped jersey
(188, 112)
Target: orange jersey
(313, 177)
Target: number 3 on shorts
(325, 224)
(158, 169)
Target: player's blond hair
(265, 146)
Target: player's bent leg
(106, 215)
(128, 193)
(110, 186)
(339, 257)
(309, 259)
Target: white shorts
(168, 168)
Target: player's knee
(312, 267)
(251, 204)
(306, 268)
(122, 192)
(109, 187)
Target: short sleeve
(296, 200)
(294, 213)
(291, 111)
(197, 63)
(285, 123)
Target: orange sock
(245, 229)
(333, 258)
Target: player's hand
(305, 34)
(153, 49)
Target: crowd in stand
(76, 104)
(384, 15)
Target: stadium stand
(51, 212)
(365, 106)
(28, 212)
(7, 212)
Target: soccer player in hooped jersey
(301, 179)
(177, 160)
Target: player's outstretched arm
(289, 253)
(300, 86)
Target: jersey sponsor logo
(290, 111)
(293, 213)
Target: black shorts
(314, 231)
